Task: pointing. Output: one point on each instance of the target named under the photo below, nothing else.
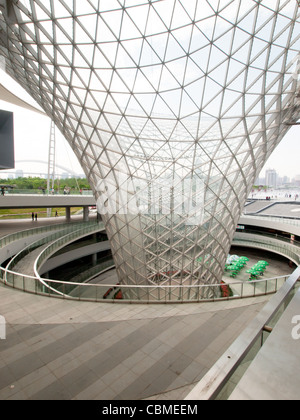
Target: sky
(286, 158)
(32, 135)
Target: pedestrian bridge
(43, 201)
(13, 201)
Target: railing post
(266, 288)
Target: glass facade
(172, 107)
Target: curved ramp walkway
(26, 264)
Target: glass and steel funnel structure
(172, 107)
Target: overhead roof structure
(172, 107)
(7, 96)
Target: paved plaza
(62, 349)
(57, 349)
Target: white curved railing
(276, 219)
(28, 192)
(274, 244)
(73, 231)
(141, 294)
(157, 293)
(64, 240)
(77, 230)
(8, 239)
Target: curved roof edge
(7, 96)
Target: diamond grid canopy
(171, 106)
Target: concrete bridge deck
(45, 201)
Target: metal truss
(172, 107)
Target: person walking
(32, 216)
(36, 217)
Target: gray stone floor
(68, 350)
(57, 349)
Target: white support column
(94, 259)
(51, 163)
(86, 214)
(68, 214)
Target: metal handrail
(64, 229)
(142, 293)
(29, 192)
(153, 293)
(267, 235)
(218, 376)
(255, 284)
(287, 249)
(62, 241)
(7, 239)
(295, 221)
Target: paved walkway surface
(274, 373)
(68, 350)
(57, 349)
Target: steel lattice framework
(172, 108)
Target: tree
(36, 183)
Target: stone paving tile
(58, 349)
(125, 352)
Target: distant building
(271, 178)
(297, 180)
(286, 180)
